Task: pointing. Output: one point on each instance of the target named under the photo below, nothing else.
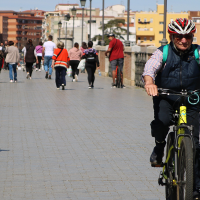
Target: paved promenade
(76, 144)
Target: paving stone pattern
(76, 144)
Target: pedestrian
(47, 52)
(83, 47)
(4, 50)
(30, 57)
(92, 60)
(75, 55)
(39, 49)
(116, 57)
(1, 58)
(12, 59)
(60, 61)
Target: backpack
(91, 57)
(166, 48)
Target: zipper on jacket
(181, 76)
(181, 81)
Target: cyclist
(116, 56)
(181, 71)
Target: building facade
(50, 23)
(22, 26)
(149, 26)
(3, 28)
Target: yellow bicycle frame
(182, 120)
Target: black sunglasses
(180, 36)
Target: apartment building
(3, 28)
(149, 25)
(22, 26)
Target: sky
(135, 5)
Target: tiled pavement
(77, 144)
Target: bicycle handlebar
(185, 93)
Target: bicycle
(178, 168)
(118, 77)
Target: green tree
(113, 26)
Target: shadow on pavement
(3, 150)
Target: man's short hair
(90, 44)
(10, 43)
(50, 37)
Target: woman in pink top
(83, 47)
(38, 50)
(75, 55)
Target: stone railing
(135, 58)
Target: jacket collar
(189, 51)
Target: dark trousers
(38, 65)
(60, 76)
(5, 65)
(163, 114)
(29, 68)
(90, 70)
(74, 65)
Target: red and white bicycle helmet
(181, 26)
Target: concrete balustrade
(129, 61)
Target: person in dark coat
(30, 57)
(92, 61)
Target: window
(138, 29)
(171, 20)
(139, 38)
(151, 29)
(151, 20)
(145, 20)
(161, 22)
(160, 32)
(194, 39)
(150, 38)
(145, 39)
(139, 19)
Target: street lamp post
(83, 5)
(164, 40)
(59, 27)
(102, 43)
(67, 18)
(90, 17)
(128, 11)
(74, 14)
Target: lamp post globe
(67, 17)
(59, 24)
(73, 10)
(83, 3)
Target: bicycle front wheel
(186, 170)
(170, 189)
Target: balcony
(145, 33)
